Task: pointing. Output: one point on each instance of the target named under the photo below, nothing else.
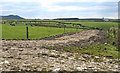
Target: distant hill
(11, 17)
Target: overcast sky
(60, 8)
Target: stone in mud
(54, 55)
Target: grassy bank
(105, 50)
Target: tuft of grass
(100, 50)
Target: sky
(49, 9)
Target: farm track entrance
(29, 55)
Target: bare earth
(30, 54)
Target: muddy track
(30, 55)
(78, 39)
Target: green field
(36, 32)
(104, 25)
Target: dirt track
(87, 36)
(29, 55)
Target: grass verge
(106, 50)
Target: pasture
(19, 32)
(104, 25)
(42, 29)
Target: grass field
(37, 32)
(104, 25)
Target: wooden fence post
(27, 33)
(64, 28)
